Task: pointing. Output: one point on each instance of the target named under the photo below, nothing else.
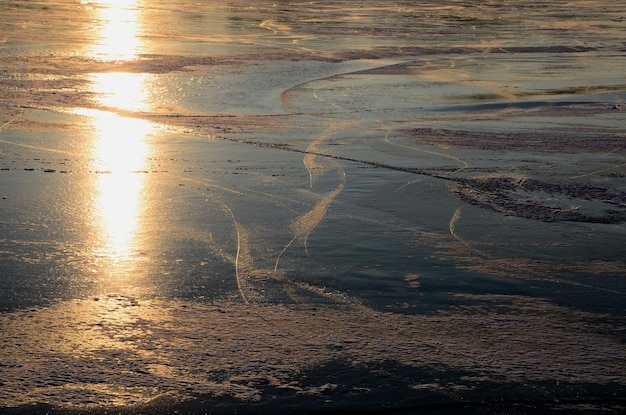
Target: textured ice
(312, 206)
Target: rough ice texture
(118, 350)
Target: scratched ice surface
(312, 206)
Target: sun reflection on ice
(122, 90)
(120, 151)
(118, 36)
(119, 144)
(119, 158)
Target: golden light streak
(122, 90)
(118, 37)
(120, 151)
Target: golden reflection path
(120, 144)
(118, 30)
(120, 150)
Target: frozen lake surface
(299, 207)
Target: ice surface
(312, 206)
